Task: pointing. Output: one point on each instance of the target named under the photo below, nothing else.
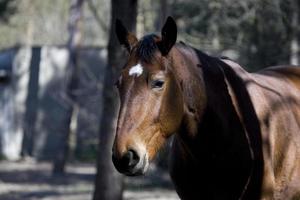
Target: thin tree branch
(93, 9)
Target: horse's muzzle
(130, 163)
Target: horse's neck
(189, 75)
(210, 121)
(223, 142)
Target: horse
(236, 135)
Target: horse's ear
(124, 36)
(169, 36)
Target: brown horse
(236, 134)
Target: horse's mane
(218, 70)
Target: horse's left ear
(169, 36)
(125, 37)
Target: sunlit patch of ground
(30, 181)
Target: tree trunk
(295, 43)
(298, 30)
(270, 35)
(31, 105)
(164, 12)
(71, 84)
(109, 183)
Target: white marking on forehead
(136, 70)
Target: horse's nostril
(131, 159)
(127, 162)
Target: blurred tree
(96, 15)
(108, 183)
(31, 106)
(292, 10)
(297, 32)
(7, 8)
(71, 84)
(164, 12)
(257, 31)
(268, 37)
(37, 22)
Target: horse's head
(151, 101)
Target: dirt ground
(33, 181)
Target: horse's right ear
(125, 38)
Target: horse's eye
(157, 84)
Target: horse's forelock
(146, 48)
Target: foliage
(7, 8)
(257, 31)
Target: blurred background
(58, 105)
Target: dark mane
(216, 70)
(146, 48)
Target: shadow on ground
(34, 181)
(40, 176)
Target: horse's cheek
(172, 113)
